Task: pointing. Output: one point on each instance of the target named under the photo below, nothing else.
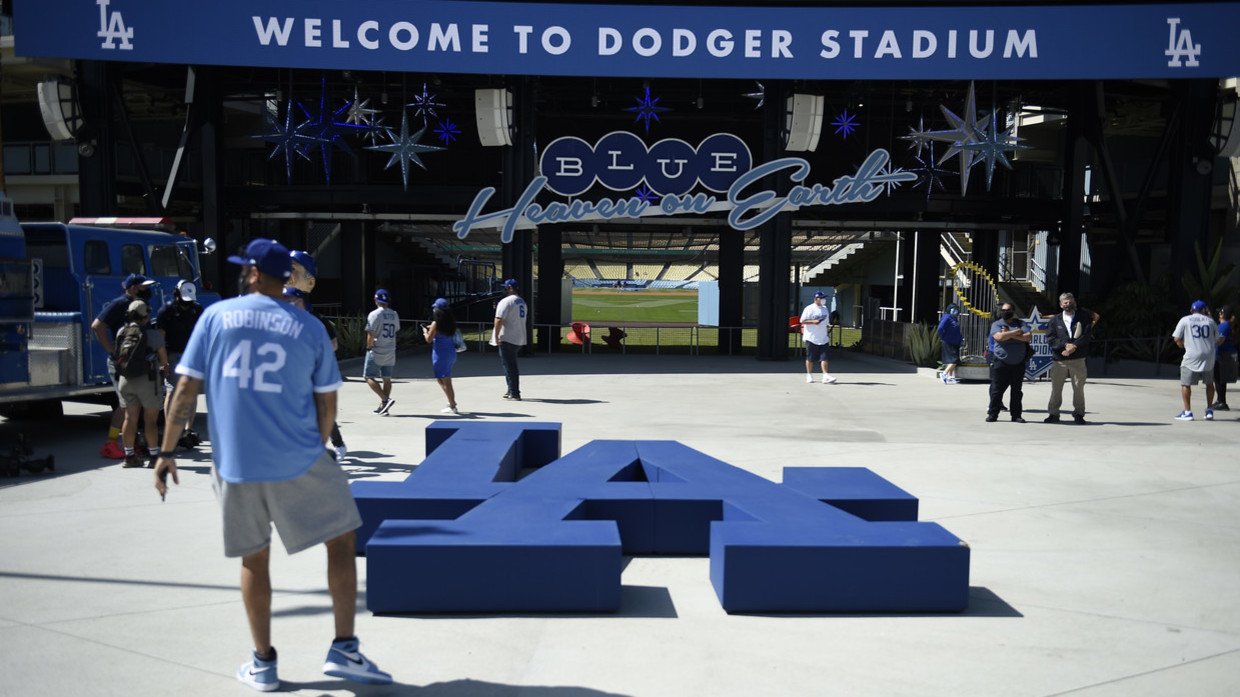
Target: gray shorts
(307, 511)
(149, 393)
(371, 370)
(1188, 378)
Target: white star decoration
(405, 148)
(359, 114)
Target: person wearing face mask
(105, 326)
(1068, 336)
(1007, 370)
(949, 333)
(176, 320)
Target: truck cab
(55, 278)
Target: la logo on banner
(112, 27)
(1180, 46)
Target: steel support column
(550, 273)
(775, 242)
(1076, 157)
(517, 256)
(731, 288)
(1190, 177)
(97, 173)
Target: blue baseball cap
(268, 256)
(306, 261)
(382, 296)
(136, 279)
(291, 292)
(819, 294)
(1199, 306)
(440, 304)
(511, 283)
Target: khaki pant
(1060, 370)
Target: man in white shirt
(1198, 335)
(816, 328)
(509, 336)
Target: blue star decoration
(405, 148)
(447, 131)
(326, 130)
(289, 140)
(647, 109)
(424, 105)
(845, 124)
(929, 173)
(990, 146)
(645, 195)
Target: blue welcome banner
(460, 36)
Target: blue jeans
(508, 356)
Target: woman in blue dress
(439, 334)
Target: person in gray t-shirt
(1198, 335)
(381, 327)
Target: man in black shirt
(176, 320)
(110, 320)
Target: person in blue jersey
(271, 381)
(1225, 368)
(949, 333)
(1197, 334)
(382, 324)
(439, 334)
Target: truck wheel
(40, 409)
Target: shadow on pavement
(455, 688)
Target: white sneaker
(259, 674)
(809, 379)
(341, 453)
(828, 379)
(449, 410)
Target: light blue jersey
(261, 360)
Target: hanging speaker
(494, 114)
(804, 122)
(59, 106)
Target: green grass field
(607, 305)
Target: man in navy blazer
(1068, 336)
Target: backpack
(131, 351)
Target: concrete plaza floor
(1105, 558)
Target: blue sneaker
(1209, 414)
(259, 674)
(345, 661)
(1184, 416)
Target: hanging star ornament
(289, 140)
(447, 131)
(647, 109)
(326, 130)
(405, 148)
(424, 105)
(965, 130)
(929, 173)
(759, 95)
(917, 137)
(991, 146)
(377, 131)
(845, 124)
(359, 113)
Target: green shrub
(924, 345)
